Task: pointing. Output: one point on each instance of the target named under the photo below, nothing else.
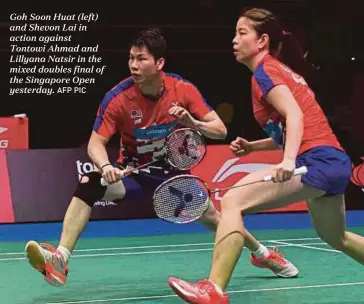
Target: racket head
(185, 148)
(181, 199)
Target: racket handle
(299, 171)
(103, 182)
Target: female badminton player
(286, 108)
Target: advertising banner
(6, 205)
(14, 133)
(221, 169)
(37, 185)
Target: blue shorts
(141, 186)
(329, 169)
(138, 200)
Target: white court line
(307, 246)
(125, 248)
(154, 252)
(159, 246)
(123, 253)
(12, 259)
(230, 292)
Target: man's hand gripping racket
(185, 198)
(183, 149)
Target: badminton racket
(185, 198)
(184, 149)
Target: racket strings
(185, 149)
(181, 200)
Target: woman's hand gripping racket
(183, 149)
(185, 198)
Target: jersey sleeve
(267, 77)
(195, 103)
(106, 123)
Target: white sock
(262, 251)
(218, 288)
(65, 252)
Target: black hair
(153, 40)
(282, 44)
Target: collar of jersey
(135, 91)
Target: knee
(230, 204)
(337, 242)
(237, 203)
(89, 189)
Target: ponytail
(282, 44)
(291, 53)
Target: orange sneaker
(48, 261)
(202, 292)
(277, 263)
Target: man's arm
(194, 112)
(96, 150)
(211, 126)
(105, 126)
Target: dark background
(200, 36)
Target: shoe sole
(287, 277)
(277, 274)
(180, 294)
(38, 262)
(34, 256)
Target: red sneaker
(202, 292)
(48, 261)
(277, 263)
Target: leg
(52, 262)
(230, 235)
(78, 214)
(261, 256)
(211, 217)
(211, 220)
(328, 217)
(329, 169)
(229, 239)
(75, 220)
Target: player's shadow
(272, 277)
(102, 292)
(342, 302)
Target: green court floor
(136, 269)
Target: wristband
(102, 168)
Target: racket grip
(299, 171)
(103, 182)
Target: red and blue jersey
(317, 131)
(144, 123)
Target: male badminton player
(144, 108)
(287, 110)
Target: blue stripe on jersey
(264, 81)
(121, 87)
(179, 77)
